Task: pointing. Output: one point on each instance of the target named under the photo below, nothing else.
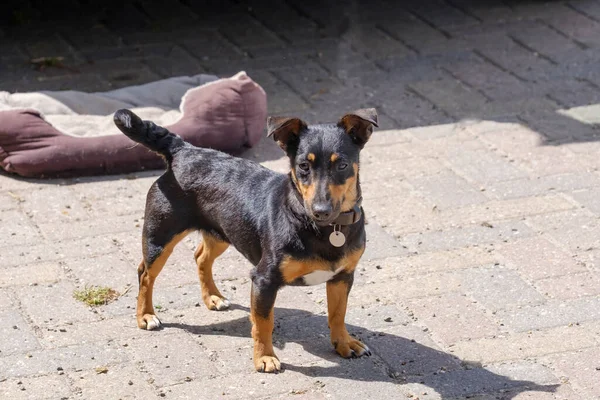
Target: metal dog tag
(337, 238)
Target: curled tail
(154, 137)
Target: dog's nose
(322, 211)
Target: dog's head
(324, 160)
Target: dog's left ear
(285, 130)
(359, 124)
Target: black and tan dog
(302, 228)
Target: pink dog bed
(59, 134)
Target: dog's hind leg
(208, 250)
(156, 252)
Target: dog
(302, 228)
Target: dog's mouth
(320, 220)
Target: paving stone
(63, 206)
(438, 131)
(468, 236)
(490, 11)
(576, 229)
(17, 336)
(380, 244)
(447, 260)
(243, 386)
(96, 227)
(121, 72)
(311, 80)
(588, 198)
(519, 61)
(8, 201)
(551, 314)
(570, 286)
(578, 27)
(410, 167)
(452, 317)
(63, 309)
(375, 44)
(31, 274)
(5, 300)
(248, 33)
(442, 14)
(484, 167)
(497, 287)
(38, 387)
(410, 352)
(581, 368)
(52, 46)
(448, 190)
(492, 211)
(166, 363)
(552, 392)
(93, 271)
(377, 317)
(542, 38)
(465, 383)
(543, 185)
(490, 80)
(69, 358)
(589, 8)
(120, 330)
(524, 345)
(537, 258)
(450, 95)
(420, 35)
(401, 214)
(126, 380)
(59, 250)
(525, 371)
(16, 229)
(364, 379)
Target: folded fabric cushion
(60, 134)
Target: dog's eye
(342, 166)
(304, 166)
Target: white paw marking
(320, 276)
(223, 304)
(154, 323)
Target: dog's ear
(284, 130)
(359, 124)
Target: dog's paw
(149, 322)
(217, 303)
(267, 364)
(351, 348)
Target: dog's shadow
(395, 358)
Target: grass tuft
(96, 295)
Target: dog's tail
(154, 137)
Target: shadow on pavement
(396, 358)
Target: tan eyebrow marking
(310, 157)
(334, 157)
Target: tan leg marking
(146, 319)
(337, 301)
(265, 359)
(344, 344)
(208, 250)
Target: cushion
(69, 133)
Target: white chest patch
(319, 276)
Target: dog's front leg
(261, 315)
(337, 299)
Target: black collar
(350, 217)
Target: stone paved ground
(482, 273)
